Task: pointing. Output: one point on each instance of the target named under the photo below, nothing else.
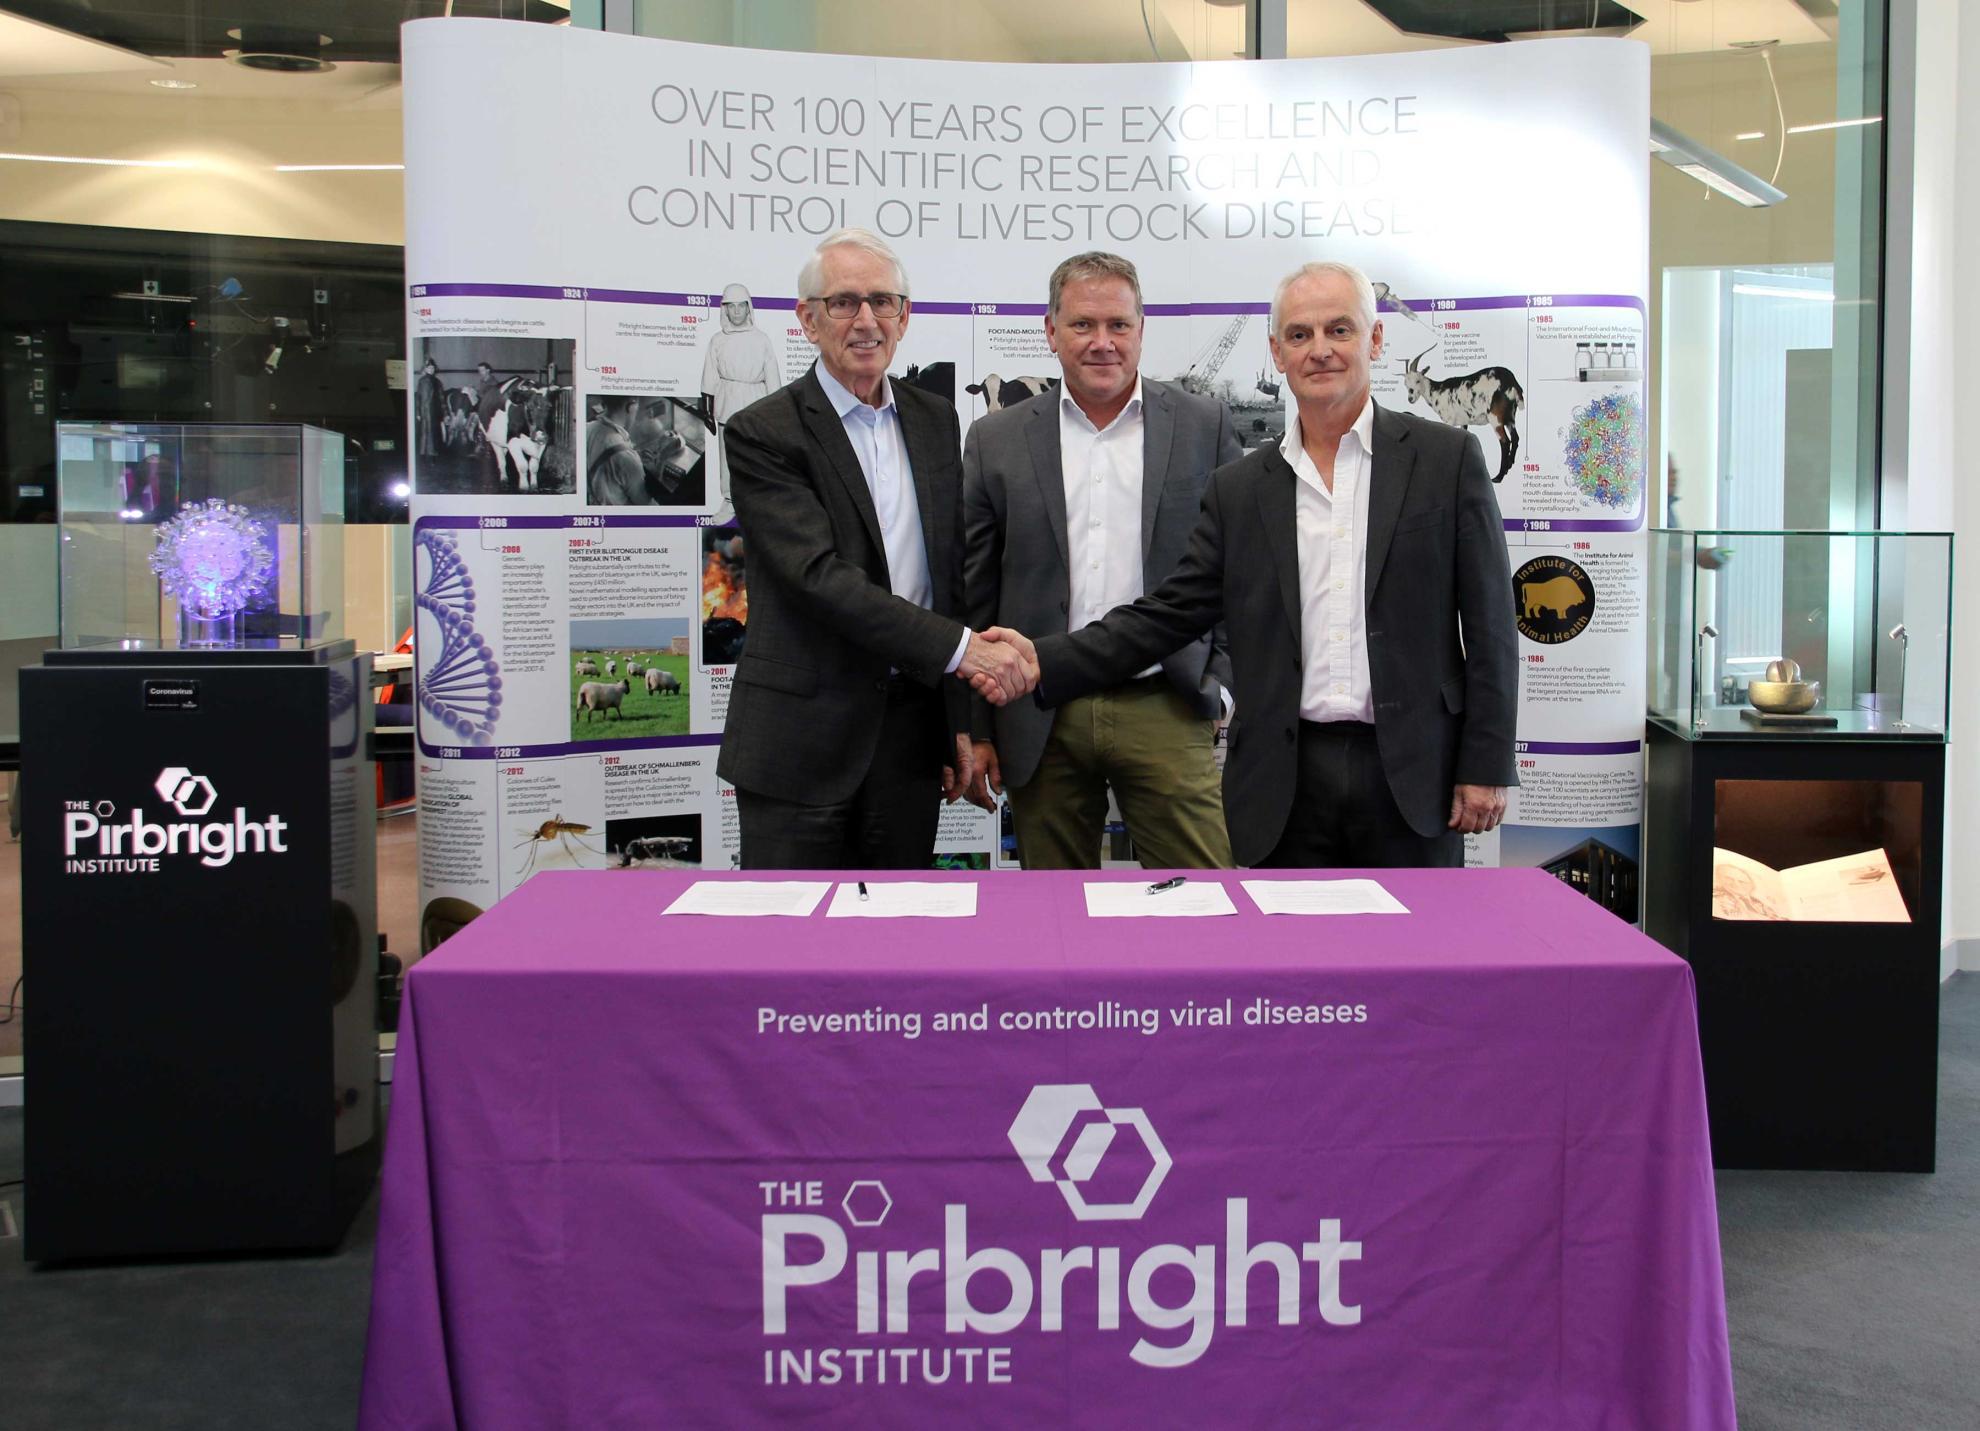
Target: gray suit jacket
(1015, 570)
(1442, 645)
(824, 625)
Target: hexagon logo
(1050, 1112)
(867, 1203)
(184, 791)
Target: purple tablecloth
(634, 1178)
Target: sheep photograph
(629, 678)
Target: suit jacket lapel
(1389, 472)
(1278, 508)
(922, 438)
(829, 433)
(1158, 430)
(1041, 431)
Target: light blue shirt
(881, 447)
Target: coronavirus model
(460, 683)
(214, 559)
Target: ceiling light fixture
(113, 163)
(1836, 124)
(1710, 168)
(1752, 134)
(334, 168)
(174, 84)
(1768, 290)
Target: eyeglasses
(846, 305)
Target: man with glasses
(846, 723)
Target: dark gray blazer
(1442, 645)
(1015, 570)
(824, 626)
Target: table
(635, 1179)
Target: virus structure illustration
(1604, 449)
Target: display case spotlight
(213, 558)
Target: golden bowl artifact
(1784, 697)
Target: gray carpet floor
(1853, 1298)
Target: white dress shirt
(1333, 573)
(881, 447)
(1101, 470)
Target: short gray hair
(1364, 290)
(812, 276)
(1083, 267)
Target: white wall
(1941, 476)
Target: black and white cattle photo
(494, 416)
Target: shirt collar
(1362, 429)
(1069, 408)
(842, 399)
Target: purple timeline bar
(555, 749)
(1577, 747)
(585, 521)
(1543, 525)
(1001, 310)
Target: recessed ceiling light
(1752, 134)
(1836, 124)
(174, 84)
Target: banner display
(582, 603)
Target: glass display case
(1793, 815)
(1815, 634)
(199, 534)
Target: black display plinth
(1820, 1040)
(199, 922)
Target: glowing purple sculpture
(214, 559)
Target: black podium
(199, 921)
(1820, 1039)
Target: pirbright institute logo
(1063, 1133)
(825, 1276)
(96, 842)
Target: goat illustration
(1490, 395)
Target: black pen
(1167, 884)
(862, 889)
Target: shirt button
(1340, 586)
(1339, 689)
(1340, 531)
(1340, 635)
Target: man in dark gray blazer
(1360, 569)
(1076, 501)
(843, 726)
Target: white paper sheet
(1322, 896)
(750, 896)
(904, 899)
(1119, 899)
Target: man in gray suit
(843, 725)
(1074, 502)
(1361, 569)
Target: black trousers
(887, 824)
(1343, 816)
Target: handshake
(1000, 664)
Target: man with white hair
(740, 367)
(844, 724)
(1359, 568)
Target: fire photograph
(724, 597)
